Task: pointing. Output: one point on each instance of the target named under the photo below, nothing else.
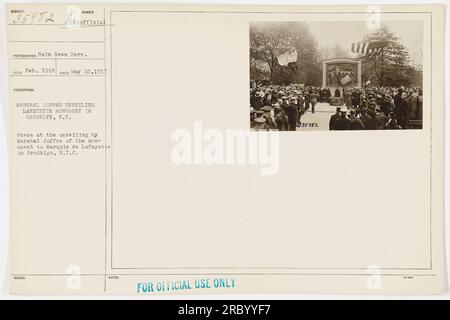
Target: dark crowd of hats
(281, 107)
(276, 107)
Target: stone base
(336, 101)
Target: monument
(341, 73)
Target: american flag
(368, 47)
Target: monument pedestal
(341, 73)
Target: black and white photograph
(134, 171)
(344, 75)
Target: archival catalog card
(198, 149)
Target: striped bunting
(368, 48)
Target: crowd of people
(277, 107)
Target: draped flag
(285, 58)
(346, 80)
(368, 47)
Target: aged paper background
(130, 215)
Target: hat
(260, 120)
(404, 95)
(284, 97)
(266, 108)
(259, 111)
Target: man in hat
(258, 114)
(253, 115)
(268, 98)
(385, 104)
(367, 120)
(281, 118)
(327, 94)
(404, 111)
(334, 117)
(306, 98)
(337, 93)
(293, 115)
(342, 122)
(363, 103)
(260, 124)
(355, 121)
(348, 99)
(398, 99)
(313, 99)
(371, 110)
(356, 97)
(391, 122)
(258, 101)
(300, 106)
(285, 102)
(412, 99)
(380, 118)
(419, 104)
(270, 120)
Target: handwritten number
(35, 17)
